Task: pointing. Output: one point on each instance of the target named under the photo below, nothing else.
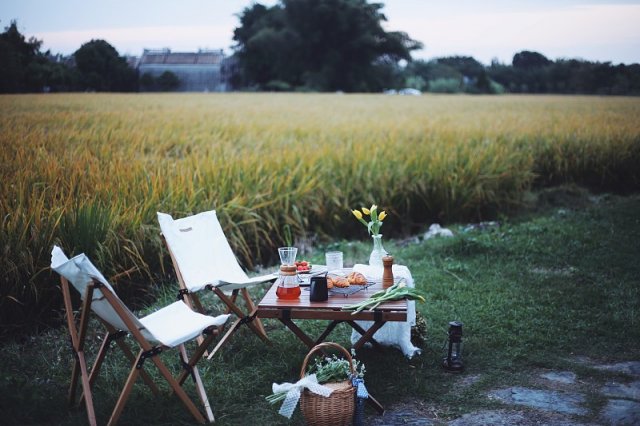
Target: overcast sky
(596, 30)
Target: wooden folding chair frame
(147, 350)
(243, 317)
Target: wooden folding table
(303, 309)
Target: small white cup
(334, 260)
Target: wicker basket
(336, 409)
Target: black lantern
(453, 361)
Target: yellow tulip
(382, 215)
(357, 214)
(366, 210)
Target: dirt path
(557, 398)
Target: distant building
(200, 71)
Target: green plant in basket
(335, 369)
(327, 369)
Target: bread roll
(357, 278)
(337, 281)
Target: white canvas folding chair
(167, 328)
(202, 258)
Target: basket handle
(323, 346)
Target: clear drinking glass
(288, 255)
(334, 260)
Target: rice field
(89, 171)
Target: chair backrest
(80, 272)
(201, 250)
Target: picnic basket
(336, 409)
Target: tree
(60, 77)
(474, 74)
(102, 69)
(465, 65)
(527, 60)
(324, 45)
(505, 75)
(165, 82)
(147, 81)
(168, 81)
(451, 75)
(261, 40)
(482, 83)
(16, 56)
(23, 68)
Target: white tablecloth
(393, 333)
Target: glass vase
(378, 252)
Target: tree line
(95, 66)
(529, 72)
(339, 45)
(315, 45)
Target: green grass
(533, 293)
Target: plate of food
(346, 284)
(305, 271)
(305, 267)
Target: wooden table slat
(302, 308)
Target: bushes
(165, 82)
(446, 85)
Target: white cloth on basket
(393, 333)
(294, 390)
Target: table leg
(375, 404)
(296, 330)
(327, 331)
(367, 336)
(362, 332)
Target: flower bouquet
(373, 228)
(375, 222)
